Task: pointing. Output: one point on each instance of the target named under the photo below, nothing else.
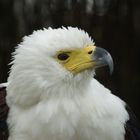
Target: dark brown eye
(63, 56)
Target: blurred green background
(113, 24)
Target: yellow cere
(76, 60)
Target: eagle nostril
(90, 52)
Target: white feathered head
(49, 57)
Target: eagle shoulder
(3, 114)
(132, 127)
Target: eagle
(51, 92)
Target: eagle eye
(63, 56)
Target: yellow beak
(89, 57)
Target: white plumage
(47, 102)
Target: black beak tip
(110, 63)
(103, 58)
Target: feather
(3, 114)
(132, 127)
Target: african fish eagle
(52, 95)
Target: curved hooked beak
(89, 57)
(102, 58)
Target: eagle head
(50, 58)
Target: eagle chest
(66, 120)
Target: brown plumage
(3, 115)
